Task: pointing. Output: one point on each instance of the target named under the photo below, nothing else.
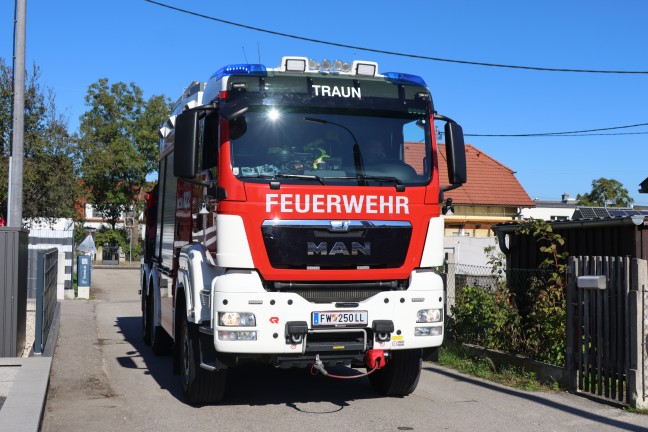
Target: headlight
(429, 316)
(428, 331)
(237, 335)
(236, 319)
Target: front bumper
(242, 291)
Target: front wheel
(199, 385)
(400, 376)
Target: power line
(571, 133)
(554, 135)
(394, 53)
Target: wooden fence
(606, 328)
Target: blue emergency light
(405, 79)
(241, 69)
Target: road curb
(24, 406)
(23, 409)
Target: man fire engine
(298, 224)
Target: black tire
(146, 325)
(400, 376)
(199, 385)
(161, 343)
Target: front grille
(318, 292)
(336, 295)
(331, 245)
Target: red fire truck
(297, 223)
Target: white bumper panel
(433, 249)
(233, 250)
(241, 291)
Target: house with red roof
(491, 195)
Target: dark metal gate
(604, 328)
(47, 272)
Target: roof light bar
(341, 66)
(364, 68)
(294, 64)
(403, 78)
(240, 69)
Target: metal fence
(47, 273)
(518, 281)
(13, 290)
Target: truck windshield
(310, 147)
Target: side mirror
(456, 153)
(185, 161)
(234, 109)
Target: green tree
(118, 141)
(606, 193)
(50, 183)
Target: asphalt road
(105, 379)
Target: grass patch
(460, 359)
(641, 411)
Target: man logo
(340, 226)
(338, 248)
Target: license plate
(340, 318)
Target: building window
(559, 218)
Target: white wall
(546, 213)
(469, 250)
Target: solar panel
(601, 212)
(605, 212)
(587, 213)
(617, 213)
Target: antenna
(259, 52)
(245, 55)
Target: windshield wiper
(400, 187)
(302, 176)
(381, 179)
(293, 176)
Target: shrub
(493, 319)
(489, 319)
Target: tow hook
(319, 365)
(375, 359)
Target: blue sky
(77, 42)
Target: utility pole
(15, 199)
